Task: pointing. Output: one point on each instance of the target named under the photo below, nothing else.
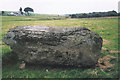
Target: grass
(106, 28)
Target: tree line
(95, 14)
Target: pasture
(107, 28)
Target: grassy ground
(106, 28)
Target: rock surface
(74, 46)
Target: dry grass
(106, 41)
(104, 62)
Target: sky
(60, 6)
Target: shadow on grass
(9, 58)
(58, 67)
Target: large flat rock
(74, 46)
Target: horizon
(61, 6)
(66, 14)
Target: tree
(118, 14)
(3, 12)
(84, 15)
(21, 10)
(28, 9)
(73, 16)
(112, 13)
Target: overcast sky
(60, 6)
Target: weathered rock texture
(75, 46)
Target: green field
(107, 28)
